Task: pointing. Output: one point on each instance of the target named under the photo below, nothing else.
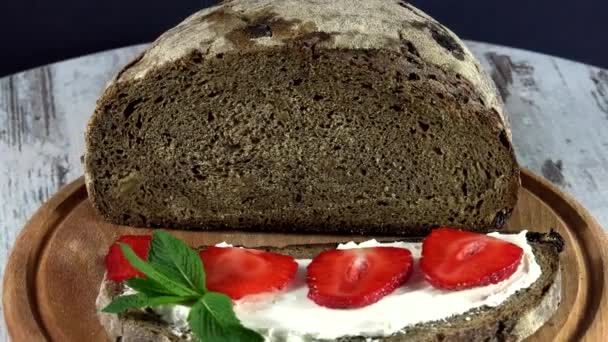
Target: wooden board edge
(594, 327)
(22, 320)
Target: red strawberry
(118, 267)
(454, 259)
(353, 278)
(238, 272)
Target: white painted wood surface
(43, 113)
(558, 108)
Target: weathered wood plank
(559, 119)
(43, 113)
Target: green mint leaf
(140, 300)
(203, 327)
(147, 286)
(245, 334)
(123, 303)
(176, 260)
(167, 283)
(210, 321)
(220, 307)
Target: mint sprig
(179, 262)
(175, 275)
(162, 280)
(148, 286)
(212, 317)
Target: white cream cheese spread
(290, 316)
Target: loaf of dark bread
(302, 115)
(515, 319)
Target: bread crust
(246, 25)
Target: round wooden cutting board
(55, 269)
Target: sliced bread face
(514, 320)
(263, 115)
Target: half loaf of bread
(302, 115)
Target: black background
(37, 32)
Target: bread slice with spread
(507, 311)
(306, 116)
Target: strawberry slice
(117, 266)
(454, 259)
(238, 272)
(353, 278)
